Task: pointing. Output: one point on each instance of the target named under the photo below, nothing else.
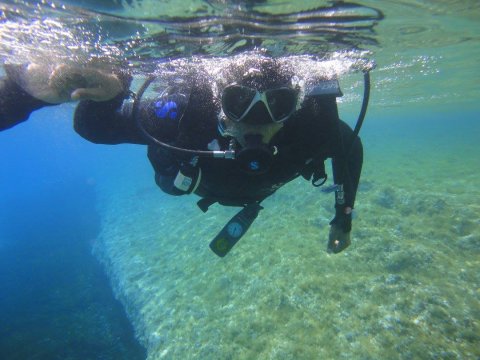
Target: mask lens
(236, 100)
(282, 103)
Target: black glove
(339, 237)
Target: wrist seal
(342, 220)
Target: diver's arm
(60, 83)
(113, 122)
(16, 104)
(108, 122)
(100, 116)
(30, 87)
(348, 167)
(346, 171)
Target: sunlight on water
(43, 35)
(223, 30)
(416, 47)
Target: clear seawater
(407, 288)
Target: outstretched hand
(70, 83)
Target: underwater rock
(386, 198)
(470, 243)
(363, 233)
(439, 205)
(408, 259)
(319, 222)
(351, 336)
(470, 336)
(464, 227)
(419, 203)
(393, 279)
(365, 185)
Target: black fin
(235, 229)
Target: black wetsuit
(311, 135)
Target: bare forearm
(16, 104)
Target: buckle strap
(205, 203)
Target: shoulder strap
(314, 171)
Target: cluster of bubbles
(45, 33)
(48, 34)
(304, 71)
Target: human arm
(347, 166)
(29, 87)
(333, 139)
(102, 115)
(16, 104)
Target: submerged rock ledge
(406, 289)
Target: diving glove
(340, 228)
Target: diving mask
(238, 100)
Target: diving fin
(235, 229)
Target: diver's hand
(64, 83)
(339, 236)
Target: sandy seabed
(407, 288)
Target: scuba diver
(235, 143)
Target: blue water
(55, 299)
(407, 288)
